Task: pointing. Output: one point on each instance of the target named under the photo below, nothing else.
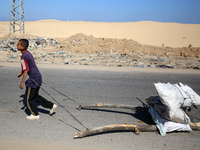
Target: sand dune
(144, 32)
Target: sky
(178, 11)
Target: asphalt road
(90, 87)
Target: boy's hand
(21, 86)
(19, 75)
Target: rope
(59, 104)
(65, 122)
(62, 93)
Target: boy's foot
(32, 117)
(53, 109)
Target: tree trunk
(102, 105)
(195, 125)
(125, 127)
(116, 127)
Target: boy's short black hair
(24, 42)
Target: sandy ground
(144, 32)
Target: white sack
(180, 116)
(191, 93)
(175, 97)
(165, 126)
(170, 97)
(186, 100)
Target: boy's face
(20, 47)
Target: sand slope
(144, 32)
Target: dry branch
(102, 105)
(116, 127)
(125, 127)
(195, 125)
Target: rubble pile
(8, 48)
(34, 43)
(88, 50)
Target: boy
(33, 83)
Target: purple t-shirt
(28, 63)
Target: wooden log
(124, 127)
(195, 125)
(102, 105)
(116, 127)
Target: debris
(197, 68)
(164, 66)
(88, 50)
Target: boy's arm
(19, 75)
(23, 79)
(24, 72)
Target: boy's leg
(42, 101)
(29, 100)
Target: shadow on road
(139, 113)
(27, 111)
